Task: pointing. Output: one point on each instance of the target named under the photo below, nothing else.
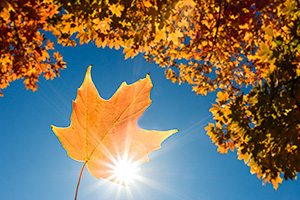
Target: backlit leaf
(102, 131)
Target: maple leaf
(116, 9)
(102, 131)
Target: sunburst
(125, 171)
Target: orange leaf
(222, 150)
(103, 131)
(275, 181)
(116, 9)
(129, 53)
(245, 156)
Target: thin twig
(217, 29)
(79, 179)
(19, 43)
(298, 2)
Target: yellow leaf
(160, 35)
(245, 156)
(102, 131)
(269, 31)
(102, 25)
(276, 181)
(222, 96)
(116, 9)
(129, 52)
(244, 26)
(49, 45)
(190, 3)
(222, 150)
(214, 109)
(147, 4)
(174, 37)
(264, 51)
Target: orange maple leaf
(103, 131)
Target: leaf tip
(124, 83)
(89, 69)
(148, 78)
(148, 75)
(173, 131)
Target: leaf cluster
(24, 50)
(264, 124)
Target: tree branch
(217, 28)
(19, 43)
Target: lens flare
(125, 171)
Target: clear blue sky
(34, 165)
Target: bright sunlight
(125, 171)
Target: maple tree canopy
(249, 51)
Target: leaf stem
(79, 179)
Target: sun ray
(124, 171)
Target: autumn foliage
(248, 51)
(263, 124)
(24, 50)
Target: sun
(125, 171)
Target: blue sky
(35, 166)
